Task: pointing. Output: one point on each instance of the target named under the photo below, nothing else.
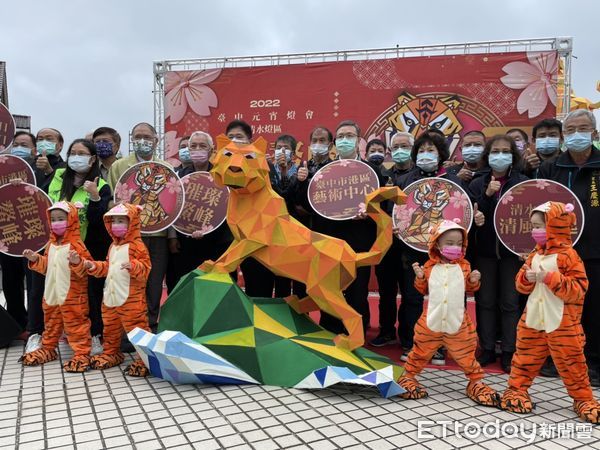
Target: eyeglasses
(346, 136)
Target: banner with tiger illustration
(452, 93)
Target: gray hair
(205, 134)
(578, 113)
(410, 137)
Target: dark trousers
(357, 296)
(95, 295)
(35, 313)
(394, 274)
(497, 298)
(159, 256)
(284, 287)
(591, 312)
(258, 280)
(13, 278)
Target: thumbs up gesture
(493, 187)
(43, 164)
(478, 216)
(530, 275)
(303, 172)
(419, 272)
(91, 187)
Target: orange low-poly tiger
(65, 302)
(551, 322)
(124, 304)
(263, 228)
(445, 321)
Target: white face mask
(79, 163)
(319, 149)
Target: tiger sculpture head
(240, 166)
(415, 115)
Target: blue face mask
(427, 161)
(46, 146)
(104, 149)
(500, 161)
(401, 155)
(472, 154)
(345, 146)
(184, 155)
(578, 141)
(21, 152)
(547, 145)
(376, 158)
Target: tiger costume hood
(73, 232)
(437, 231)
(560, 220)
(133, 212)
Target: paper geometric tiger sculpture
(211, 332)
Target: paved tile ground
(44, 407)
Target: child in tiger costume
(65, 302)
(126, 270)
(446, 277)
(555, 279)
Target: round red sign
(337, 191)
(7, 127)
(23, 220)
(12, 167)
(513, 212)
(157, 188)
(428, 202)
(205, 204)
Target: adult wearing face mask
(472, 166)
(187, 253)
(359, 234)
(428, 155)
(80, 182)
(184, 156)
(108, 142)
(391, 272)
(144, 143)
(375, 152)
(14, 268)
(578, 168)
(547, 138)
(49, 144)
(497, 265)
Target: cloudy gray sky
(77, 65)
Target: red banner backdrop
(454, 94)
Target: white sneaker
(33, 343)
(97, 347)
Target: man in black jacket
(579, 170)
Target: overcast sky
(77, 65)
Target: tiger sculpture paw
(481, 393)
(39, 356)
(516, 401)
(413, 389)
(106, 361)
(588, 410)
(137, 369)
(77, 364)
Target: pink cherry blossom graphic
(173, 186)
(459, 200)
(3, 159)
(507, 199)
(538, 79)
(172, 148)
(3, 247)
(189, 88)
(404, 215)
(362, 208)
(31, 189)
(542, 184)
(318, 176)
(123, 192)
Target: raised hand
(465, 174)
(493, 187)
(197, 234)
(302, 172)
(478, 216)
(89, 265)
(74, 257)
(475, 276)
(91, 187)
(418, 269)
(31, 255)
(43, 164)
(530, 275)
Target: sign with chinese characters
(513, 212)
(337, 191)
(7, 127)
(23, 219)
(157, 188)
(428, 202)
(205, 204)
(12, 167)
(487, 91)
